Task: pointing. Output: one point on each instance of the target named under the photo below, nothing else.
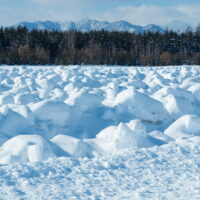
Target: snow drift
(94, 111)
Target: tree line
(20, 46)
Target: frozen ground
(99, 133)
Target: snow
(124, 136)
(185, 126)
(89, 25)
(24, 148)
(177, 101)
(73, 146)
(167, 172)
(99, 132)
(138, 104)
(53, 112)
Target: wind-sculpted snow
(88, 132)
(90, 111)
(168, 172)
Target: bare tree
(25, 54)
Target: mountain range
(92, 25)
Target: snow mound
(85, 107)
(184, 127)
(14, 120)
(25, 98)
(89, 111)
(161, 136)
(55, 112)
(138, 106)
(133, 130)
(177, 101)
(3, 139)
(195, 89)
(116, 138)
(6, 99)
(73, 146)
(25, 148)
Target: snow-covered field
(95, 133)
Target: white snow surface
(99, 132)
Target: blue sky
(135, 11)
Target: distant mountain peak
(87, 25)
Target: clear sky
(135, 11)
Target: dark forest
(19, 47)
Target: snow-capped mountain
(89, 25)
(39, 25)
